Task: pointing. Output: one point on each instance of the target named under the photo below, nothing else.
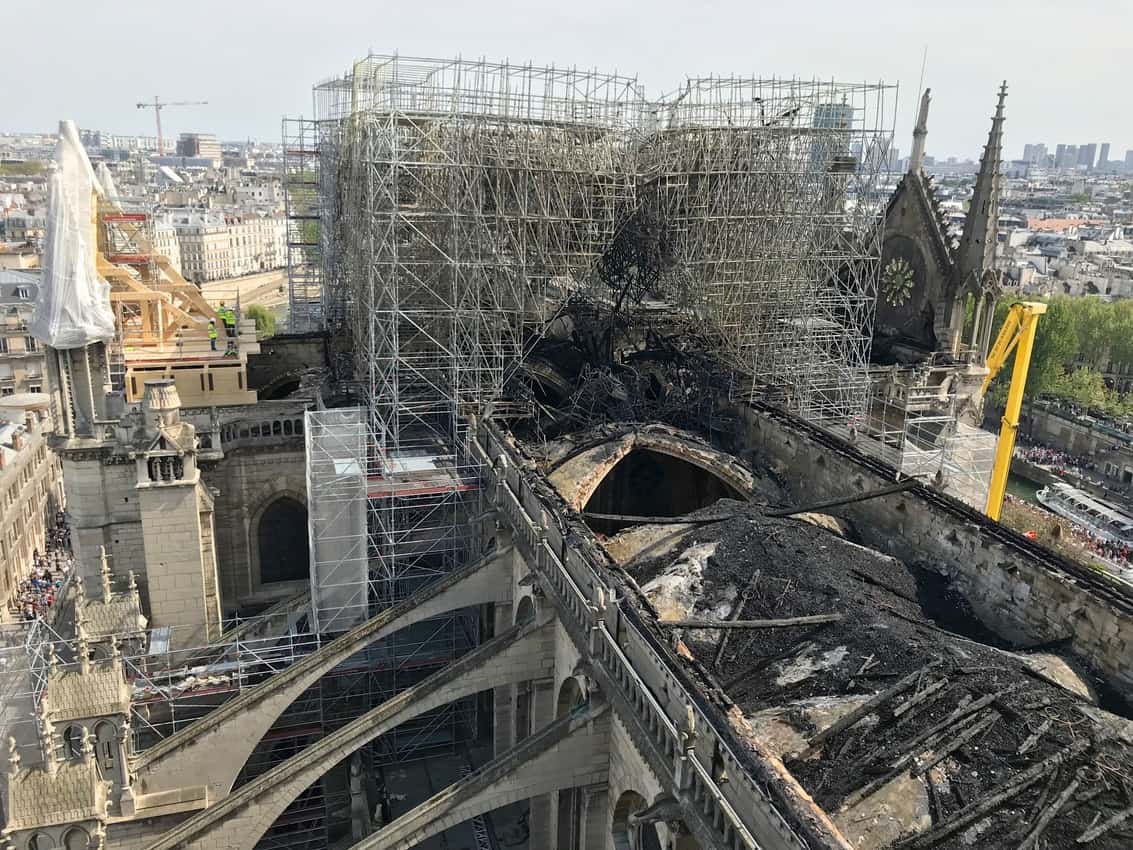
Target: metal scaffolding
(464, 201)
(757, 193)
(918, 429)
(467, 195)
(467, 191)
(301, 172)
(461, 205)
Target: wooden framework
(162, 320)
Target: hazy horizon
(254, 66)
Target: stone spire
(104, 572)
(82, 648)
(13, 758)
(88, 746)
(976, 253)
(916, 158)
(47, 735)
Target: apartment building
(205, 248)
(31, 491)
(257, 193)
(165, 242)
(23, 359)
(259, 243)
(215, 246)
(18, 255)
(200, 146)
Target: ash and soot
(907, 733)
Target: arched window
(73, 742)
(76, 838)
(282, 541)
(570, 697)
(106, 748)
(525, 613)
(632, 836)
(40, 841)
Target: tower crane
(1018, 335)
(159, 105)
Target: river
(1023, 488)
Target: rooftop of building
(1060, 225)
(101, 691)
(72, 793)
(17, 438)
(119, 615)
(939, 713)
(18, 285)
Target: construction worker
(228, 316)
(212, 334)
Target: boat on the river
(1103, 519)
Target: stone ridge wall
(247, 481)
(758, 788)
(1015, 596)
(104, 510)
(286, 355)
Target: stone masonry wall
(248, 480)
(282, 358)
(104, 510)
(178, 583)
(1013, 594)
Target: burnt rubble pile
(594, 369)
(907, 733)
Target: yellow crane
(1018, 335)
(159, 105)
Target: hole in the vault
(651, 484)
(546, 393)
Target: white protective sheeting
(107, 180)
(73, 306)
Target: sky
(254, 61)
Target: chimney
(17, 441)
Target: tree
(1056, 346)
(264, 318)
(1084, 387)
(26, 168)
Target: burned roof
(895, 710)
(865, 678)
(876, 689)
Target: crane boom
(1017, 335)
(159, 105)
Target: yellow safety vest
(212, 331)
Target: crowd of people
(1118, 553)
(50, 570)
(1060, 462)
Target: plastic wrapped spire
(73, 306)
(106, 179)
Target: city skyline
(1117, 153)
(261, 67)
